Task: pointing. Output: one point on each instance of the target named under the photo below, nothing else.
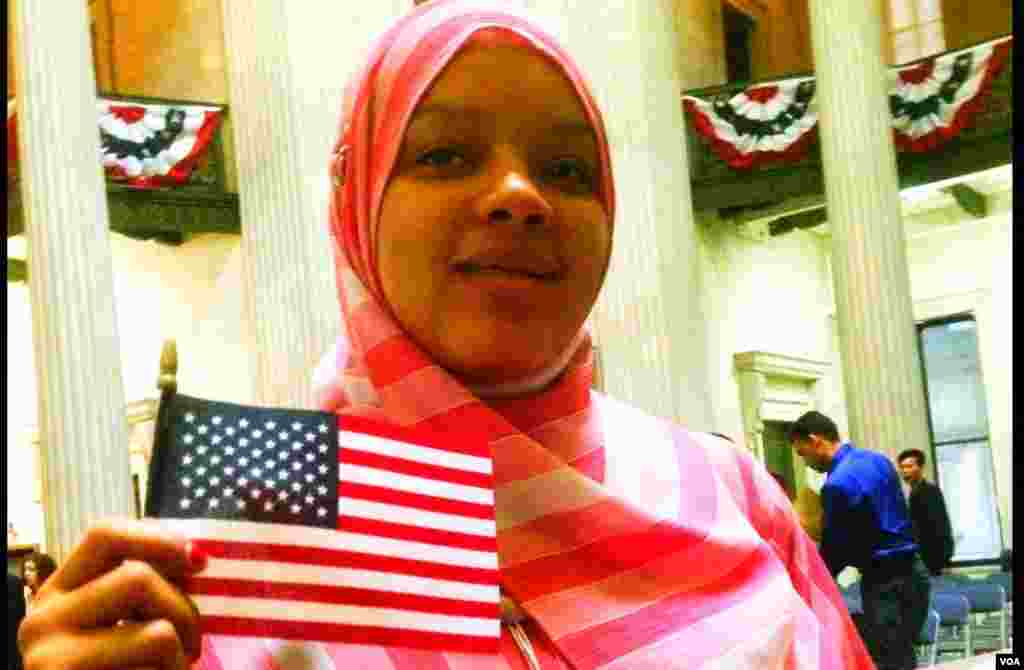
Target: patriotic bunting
(316, 530)
(144, 145)
(931, 102)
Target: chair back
(953, 608)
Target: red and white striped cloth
(628, 542)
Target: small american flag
(353, 531)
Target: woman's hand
(115, 603)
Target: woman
(36, 569)
(472, 216)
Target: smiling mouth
(471, 268)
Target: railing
(986, 143)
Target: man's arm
(836, 549)
(938, 519)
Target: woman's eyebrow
(446, 113)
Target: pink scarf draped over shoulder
(627, 541)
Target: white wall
(192, 293)
(771, 296)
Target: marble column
(82, 426)
(878, 342)
(648, 320)
(287, 66)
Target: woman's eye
(440, 158)
(570, 169)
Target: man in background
(932, 530)
(866, 525)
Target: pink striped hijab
(628, 542)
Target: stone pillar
(285, 104)
(84, 435)
(881, 365)
(648, 319)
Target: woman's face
(31, 574)
(493, 237)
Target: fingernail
(196, 556)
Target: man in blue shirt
(867, 525)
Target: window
(738, 28)
(958, 418)
(915, 29)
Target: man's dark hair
(813, 423)
(916, 454)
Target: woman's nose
(513, 197)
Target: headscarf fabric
(627, 542)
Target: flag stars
(283, 435)
(256, 453)
(216, 420)
(229, 493)
(200, 492)
(296, 466)
(310, 458)
(243, 481)
(310, 437)
(229, 471)
(283, 495)
(216, 439)
(202, 449)
(310, 478)
(201, 470)
(230, 451)
(230, 431)
(270, 444)
(322, 490)
(215, 460)
(321, 512)
(242, 442)
(215, 481)
(190, 417)
(296, 446)
(322, 428)
(186, 481)
(185, 503)
(295, 508)
(270, 425)
(268, 506)
(269, 483)
(257, 472)
(257, 434)
(202, 430)
(296, 426)
(322, 448)
(282, 475)
(282, 456)
(322, 469)
(310, 500)
(188, 438)
(255, 493)
(296, 487)
(269, 464)
(240, 504)
(243, 461)
(244, 423)
(213, 503)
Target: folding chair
(987, 602)
(928, 641)
(954, 618)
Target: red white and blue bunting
(145, 145)
(931, 101)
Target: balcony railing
(985, 143)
